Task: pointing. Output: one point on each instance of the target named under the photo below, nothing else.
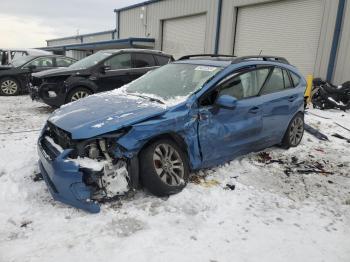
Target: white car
(8, 55)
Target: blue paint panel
(64, 181)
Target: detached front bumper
(64, 179)
(49, 93)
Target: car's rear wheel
(78, 93)
(163, 168)
(295, 132)
(9, 86)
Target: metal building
(311, 34)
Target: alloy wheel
(168, 165)
(79, 95)
(296, 131)
(9, 87)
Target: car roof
(226, 60)
(36, 56)
(207, 62)
(135, 50)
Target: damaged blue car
(197, 112)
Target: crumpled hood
(102, 113)
(57, 72)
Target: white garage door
(183, 36)
(286, 28)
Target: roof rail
(204, 55)
(263, 58)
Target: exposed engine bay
(106, 175)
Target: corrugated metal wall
(97, 38)
(327, 29)
(69, 41)
(342, 69)
(132, 25)
(88, 38)
(295, 35)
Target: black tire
(77, 92)
(9, 86)
(295, 132)
(151, 180)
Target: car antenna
(260, 52)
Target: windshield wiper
(152, 99)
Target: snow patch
(99, 125)
(89, 163)
(58, 147)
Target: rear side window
(162, 60)
(63, 61)
(143, 60)
(295, 78)
(287, 82)
(122, 61)
(275, 82)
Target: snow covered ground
(274, 213)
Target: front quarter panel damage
(178, 123)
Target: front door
(226, 133)
(117, 74)
(142, 63)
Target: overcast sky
(28, 23)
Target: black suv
(14, 77)
(102, 71)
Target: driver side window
(239, 85)
(245, 85)
(41, 62)
(122, 61)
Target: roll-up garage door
(284, 28)
(183, 36)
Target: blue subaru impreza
(197, 112)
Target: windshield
(173, 81)
(21, 60)
(90, 60)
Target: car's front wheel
(78, 93)
(295, 132)
(9, 86)
(163, 168)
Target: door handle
(254, 110)
(291, 98)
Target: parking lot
(263, 205)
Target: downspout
(117, 21)
(218, 26)
(336, 37)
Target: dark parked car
(190, 114)
(102, 71)
(14, 77)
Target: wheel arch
(175, 137)
(72, 88)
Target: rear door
(226, 133)
(64, 61)
(142, 63)
(280, 103)
(117, 75)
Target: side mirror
(225, 101)
(105, 68)
(32, 67)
